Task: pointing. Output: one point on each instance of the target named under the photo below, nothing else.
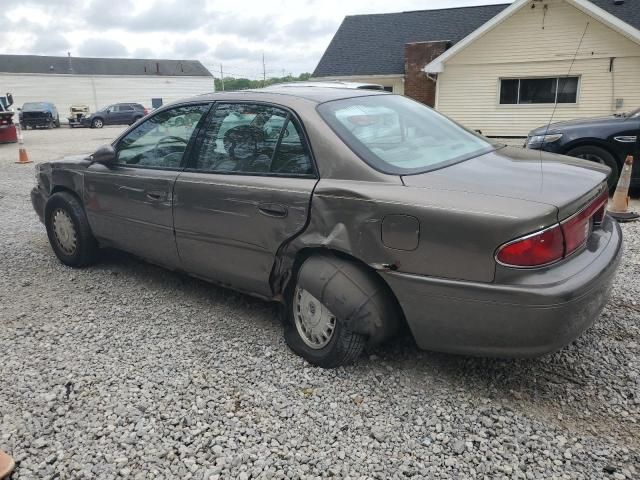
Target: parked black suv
(39, 114)
(116, 114)
(606, 140)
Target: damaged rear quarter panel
(458, 232)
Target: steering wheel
(165, 139)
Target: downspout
(612, 71)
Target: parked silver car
(358, 211)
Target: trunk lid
(564, 182)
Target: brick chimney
(416, 83)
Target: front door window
(161, 140)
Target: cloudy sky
(292, 34)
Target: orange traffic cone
(22, 152)
(619, 208)
(6, 464)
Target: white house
(533, 61)
(98, 82)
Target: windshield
(400, 136)
(36, 106)
(635, 113)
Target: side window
(246, 138)
(162, 139)
(291, 156)
(113, 109)
(125, 108)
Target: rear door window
(253, 139)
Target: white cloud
(292, 33)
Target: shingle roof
(374, 44)
(101, 66)
(628, 12)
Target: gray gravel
(127, 370)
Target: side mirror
(105, 155)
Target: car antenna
(555, 106)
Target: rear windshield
(400, 136)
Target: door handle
(273, 210)
(156, 196)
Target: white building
(98, 82)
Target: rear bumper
(538, 313)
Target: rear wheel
(599, 155)
(334, 308)
(68, 230)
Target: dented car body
(243, 188)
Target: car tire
(69, 231)
(58, 122)
(599, 155)
(326, 305)
(97, 123)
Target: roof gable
(610, 15)
(38, 64)
(374, 44)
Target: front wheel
(334, 309)
(97, 123)
(601, 156)
(68, 230)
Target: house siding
(537, 42)
(98, 91)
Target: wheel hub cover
(314, 321)
(64, 231)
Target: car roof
(315, 94)
(328, 84)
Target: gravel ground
(127, 370)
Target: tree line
(231, 83)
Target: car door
(246, 191)
(110, 114)
(129, 205)
(625, 140)
(125, 114)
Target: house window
(526, 91)
(388, 89)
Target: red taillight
(146, 111)
(577, 228)
(534, 250)
(556, 242)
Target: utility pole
(264, 72)
(221, 77)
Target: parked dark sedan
(358, 211)
(606, 140)
(116, 114)
(39, 114)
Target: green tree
(232, 83)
